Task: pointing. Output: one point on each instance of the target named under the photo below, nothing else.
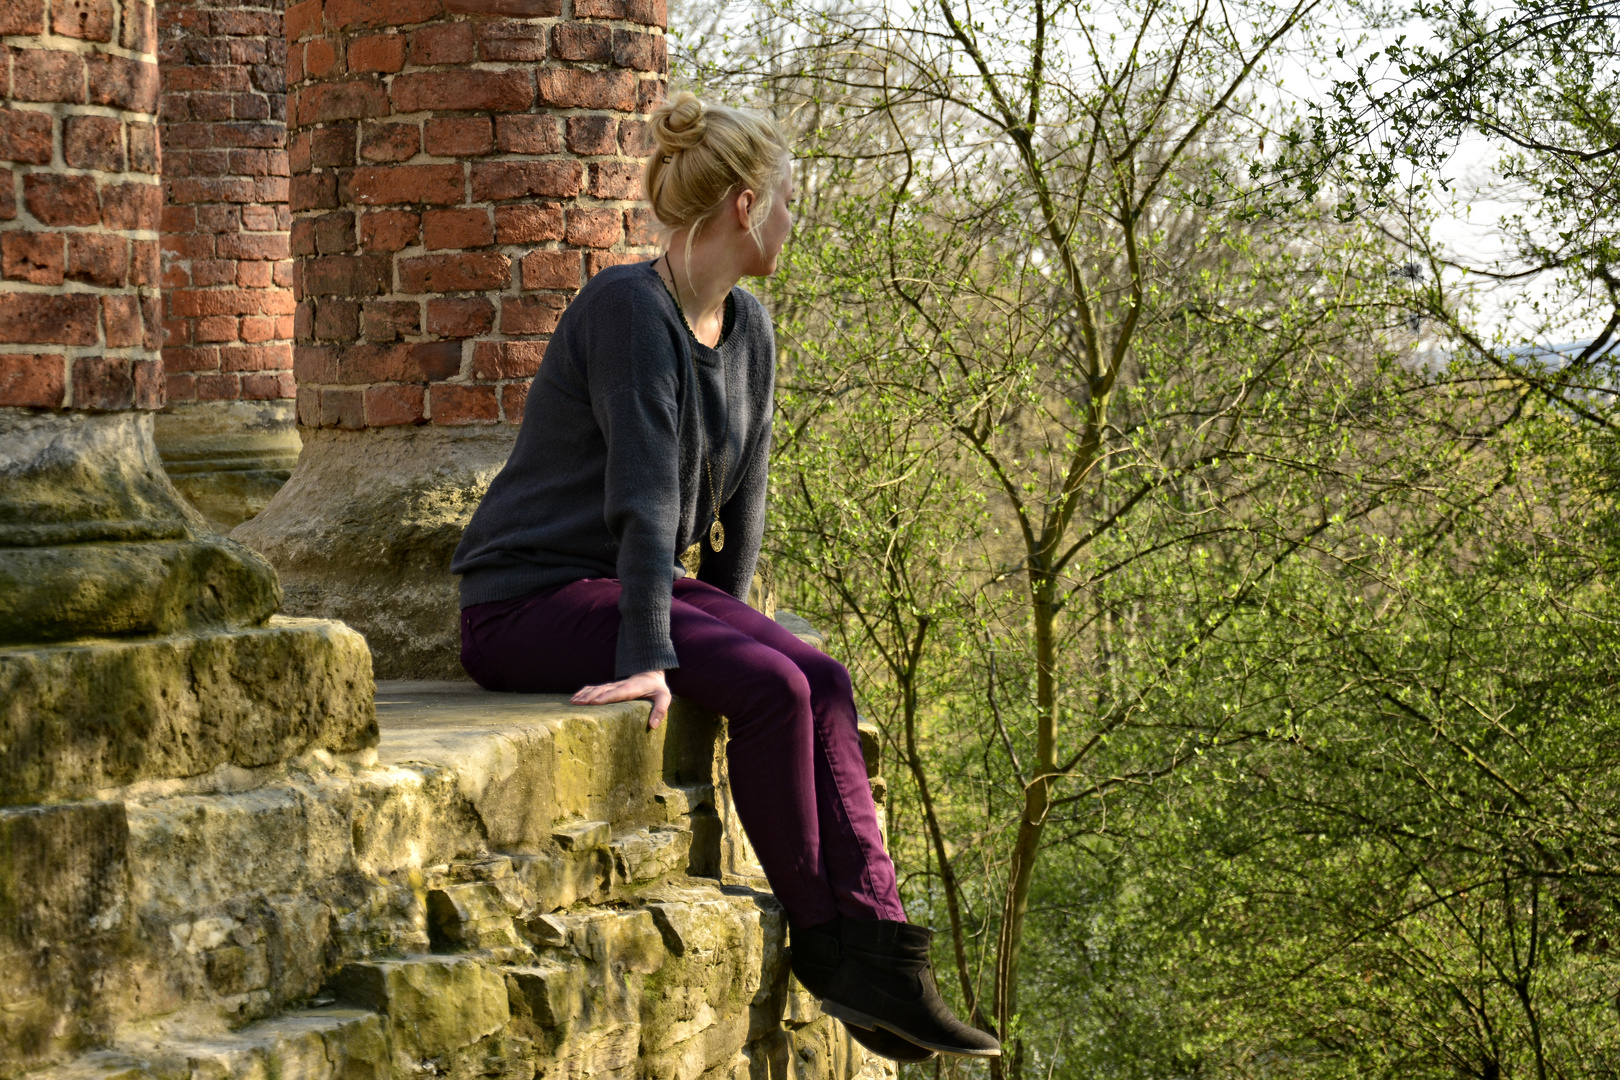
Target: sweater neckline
(728, 340)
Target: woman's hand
(649, 684)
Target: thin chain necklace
(717, 531)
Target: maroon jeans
(797, 774)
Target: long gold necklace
(717, 531)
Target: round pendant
(717, 535)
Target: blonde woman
(648, 429)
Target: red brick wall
(460, 167)
(227, 275)
(79, 205)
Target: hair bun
(680, 123)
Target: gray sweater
(606, 478)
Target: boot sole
(860, 1019)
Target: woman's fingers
(649, 685)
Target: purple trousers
(797, 775)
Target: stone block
(470, 916)
(434, 1004)
(76, 718)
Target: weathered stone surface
(94, 540)
(228, 458)
(78, 717)
(208, 909)
(360, 501)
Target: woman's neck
(702, 281)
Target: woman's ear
(745, 207)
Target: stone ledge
(82, 717)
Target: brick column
(227, 436)
(459, 169)
(135, 643)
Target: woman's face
(774, 230)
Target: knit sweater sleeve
(633, 383)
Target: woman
(647, 430)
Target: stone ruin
(228, 232)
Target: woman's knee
(828, 680)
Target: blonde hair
(705, 152)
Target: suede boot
(814, 958)
(885, 981)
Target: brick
(191, 359)
(87, 20)
(386, 185)
(597, 261)
(334, 233)
(636, 138)
(593, 135)
(454, 273)
(332, 145)
(387, 406)
(342, 409)
(125, 84)
(594, 227)
(461, 137)
(493, 181)
(102, 382)
(641, 227)
(574, 88)
(527, 9)
(268, 386)
(303, 19)
(447, 43)
(121, 315)
(259, 219)
(178, 388)
(218, 387)
(25, 137)
(379, 52)
(93, 142)
(132, 206)
(640, 51)
(47, 75)
(337, 320)
(512, 359)
(248, 358)
(214, 329)
(139, 32)
(385, 321)
(354, 100)
(646, 12)
(308, 407)
(346, 275)
(98, 258)
(389, 230)
(297, 150)
(144, 153)
(320, 58)
(460, 317)
(459, 229)
(513, 42)
(62, 200)
(582, 42)
(22, 16)
(389, 142)
(240, 245)
(551, 270)
(192, 303)
(616, 179)
(314, 364)
(313, 192)
(649, 95)
(145, 266)
(371, 14)
(453, 404)
(495, 91)
(33, 257)
(514, 396)
(8, 195)
(527, 134)
(257, 330)
(528, 223)
(32, 380)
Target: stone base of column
(228, 458)
(135, 642)
(364, 530)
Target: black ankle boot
(885, 982)
(814, 958)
